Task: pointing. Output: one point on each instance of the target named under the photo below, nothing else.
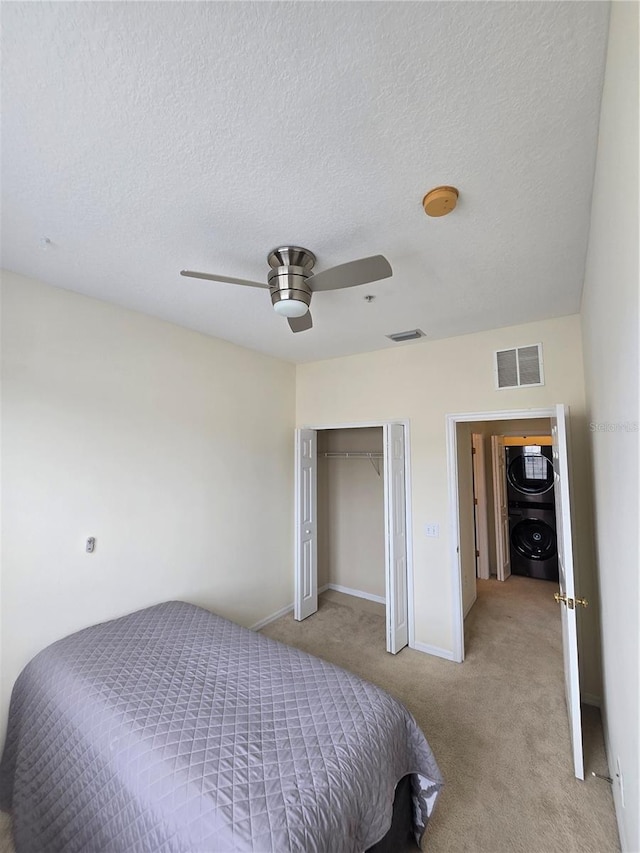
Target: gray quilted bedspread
(173, 729)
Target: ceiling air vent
(519, 367)
(411, 335)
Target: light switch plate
(432, 529)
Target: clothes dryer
(534, 548)
(529, 475)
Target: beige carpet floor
(496, 723)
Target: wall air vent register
(519, 367)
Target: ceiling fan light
(290, 308)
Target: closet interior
(351, 541)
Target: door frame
(452, 420)
(407, 497)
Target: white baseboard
(271, 618)
(289, 607)
(433, 650)
(379, 599)
(591, 699)
(615, 789)
(420, 647)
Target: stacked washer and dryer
(532, 515)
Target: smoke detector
(440, 201)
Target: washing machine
(529, 475)
(534, 548)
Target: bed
(173, 729)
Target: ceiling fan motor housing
(292, 282)
(290, 293)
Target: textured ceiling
(144, 138)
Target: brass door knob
(570, 602)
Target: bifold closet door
(306, 524)
(396, 537)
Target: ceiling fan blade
(224, 278)
(300, 324)
(351, 274)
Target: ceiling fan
(292, 282)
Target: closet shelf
(356, 454)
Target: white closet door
(306, 525)
(567, 597)
(396, 537)
(500, 508)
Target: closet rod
(356, 454)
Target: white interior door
(306, 525)
(480, 507)
(500, 508)
(567, 597)
(395, 537)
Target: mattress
(173, 729)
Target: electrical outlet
(620, 780)
(432, 529)
(91, 545)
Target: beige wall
(144, 435)
(351, 512)
(425, 381)
(610, 336)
